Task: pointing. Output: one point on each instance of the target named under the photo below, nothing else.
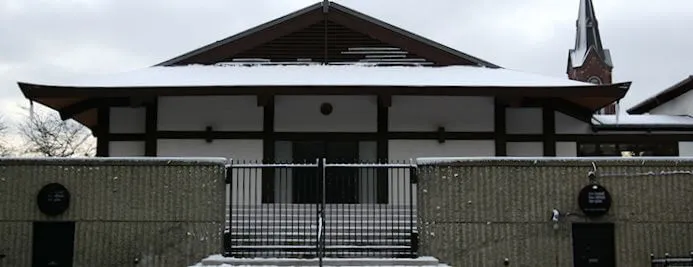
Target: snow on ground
(318, 75)
(221, 261)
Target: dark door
(593, 245)
(53, 244)
(341, 184)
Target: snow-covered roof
(317, 75)
(648, 120)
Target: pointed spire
(587, 36)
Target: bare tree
(45, 134)
(5, 145)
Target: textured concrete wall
(478, 212)
(166, 212)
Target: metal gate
(321, 209)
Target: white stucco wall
(250, 183)
(126, 149)
(412, 149)
(569, 125)
(302, 114)
(566, 149)
(523, 120)
(677, 106)
(685, 149)
(127, 120)
(223, 113)
(525, 149)
(427, 113)
(232, 149)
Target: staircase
(350, 231)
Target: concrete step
(218, 260)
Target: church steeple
(589, 61)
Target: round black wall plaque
(53, 199)
(594, 200)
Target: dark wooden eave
(78, 102)
(667, 95)
(372, 29)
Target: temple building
(328, 78)
(329, 82)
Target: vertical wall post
(384, 103)
(499, 127)
(268, 147)
(103, 130)
(549, 130)
(151, 128)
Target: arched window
(594, 80)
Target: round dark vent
(326, 108)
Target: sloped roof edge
(662, 97)
(240, 35)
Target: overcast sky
(650, 41)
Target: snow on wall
(427, 113)
(569, 125)
(685, 149)
(223, 113)
(125, 149)
(677, 106)
(349, 114)
(525, 149)
(127, 120)
(524, 120)
(566, 149)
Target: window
(636, 149)
(594, 80)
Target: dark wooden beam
(69, 111)
(268, 149)
(431, 135)
(74, 109)
(263, 100)
(103, 131)
(383, 146)
(385, 100)
(613, 91)
(549, 131)
(151, 128)
(268, 142)
(499, 126)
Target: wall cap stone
(555, 161)
(115, 161)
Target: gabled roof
(662, 97)
(325, 31)
(587, 38)
(323, 13)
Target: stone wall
(159, 212)
(479, 212)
